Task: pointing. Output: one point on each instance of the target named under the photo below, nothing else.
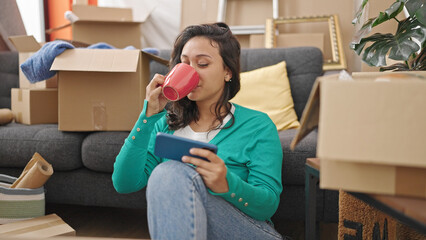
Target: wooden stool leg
(311, 181)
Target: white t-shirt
(187, 131)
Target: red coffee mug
(180, 81)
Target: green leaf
(421, 14)
(401, 45)
(404, 45)
(375, 55)
(366, 29)
(360, 12)
(389, 13)
(403, 50)
(414, 5)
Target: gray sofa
(83, 161)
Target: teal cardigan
(250, 149)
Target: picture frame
(337, 61)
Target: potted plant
(406, 45)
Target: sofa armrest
(9, 76)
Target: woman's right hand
(154, 96)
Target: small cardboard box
(371, 134)
(114, 26)
(27, 46)
(101, 89)
(35, 228)
(35, 106)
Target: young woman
(235, 193)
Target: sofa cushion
(99, 150)
(19, 142)
(294, 161)
(267, 89)
(89, 188)
(304, 65)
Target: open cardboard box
(101, 89)
(27, 46)
(371, 134)
(114, 26)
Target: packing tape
(19, 95)
(34, 228)
(99, 115)
(410, 181)
(18, 117)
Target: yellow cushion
(267, 90)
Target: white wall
(32, 14)
(161, 28)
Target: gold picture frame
(338, 59)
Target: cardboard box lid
(97, 60)
(24, 43)
(108, 14)
(368, 121)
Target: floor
(102, 221)
(130, 223)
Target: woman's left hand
(213, 172)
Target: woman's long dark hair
(181, 113)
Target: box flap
(156, 58)
(105, 14)
(97, 60)
(310, 117)
(25, 43)
(309, 120)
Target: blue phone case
(174, 147)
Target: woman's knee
(170, 174)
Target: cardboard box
(198, 12)
(35, 106)
(371, 134)
(27, 46)
(373, 178)
(114, 26)
(40, 227)
(101, 89)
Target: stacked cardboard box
(114, 26)
(371, 132)
(33, 103)
(95, 89)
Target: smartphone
(174, 147)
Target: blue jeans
(180, 207)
